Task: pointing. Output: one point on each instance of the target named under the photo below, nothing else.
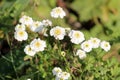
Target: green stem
(67, 66)
(11, 55)
(12, 61)
(5, 58)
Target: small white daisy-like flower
(38, 45)
(47, 22)
(56, 70)
(36, 26)
(65, 75)
(58, 12)
(81, 54)
(58, 32)
(62, 76)
(21, 35)
(86, 46)
(20, 27)
(95, 42)
(26, 20)
(105, 45)
(29, 51)
(76, 36)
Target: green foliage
(11, 10)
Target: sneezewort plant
(82, 62)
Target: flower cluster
(59, 33)
(21, 34)
(35, 46)
(27, 22)
(88, 45)
(60, 75)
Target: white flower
(86, 46)
(105, 45)
(47, 22)
(58, 12)
(26, 20)
(65, 75)
(20, 27)
(38, 45)
(62, 76)
(20, 35)
(56, 70)
(95, 42)
(81, 54)
(28, 79)
(36, 26)
(29, 51)
(58, 32)
(76, 36)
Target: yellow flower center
(77, 35)
(37, 44)
(21, 33)
(57, 70)
(19, 26)
(29, 49)
(86, 45)
(27, 19)
(106, 45)
(57, 32)
(65, 74)
(94, 41)
(58, 11)
(36, 24)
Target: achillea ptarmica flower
(86, 46)
(56, 70)
(95, 42)
(62, 76)
(76, 36)
(26, 20)
(38, 45)
(105, 45)
(36, 26)
(20, 35)
(20, 27)
(29, 51)
(58, 12)
(81, 54)
(58, 32)
(47, 22)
